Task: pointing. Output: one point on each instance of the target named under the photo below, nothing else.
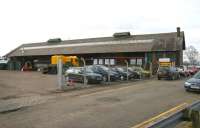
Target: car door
(80, 75)
(75, 75)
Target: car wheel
(139, 76)
(179, 76)
(86, 80)
(158, 78)
(185, 75)
(67, 80)
(173, 77)
(104, 78)
(122, 78)
(187, 90)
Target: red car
(183, 70)
(193, 70)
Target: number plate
(98, 78)
(195, 87)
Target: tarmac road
(120, 107)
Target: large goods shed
(136, 49)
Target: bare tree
(192, 54)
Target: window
(95, 61)
(139, 61)
(100, 61)
(107, 61)
(112, 61)
(133, 61)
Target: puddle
(109, 99)
(9, 97)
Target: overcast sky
(29, 21)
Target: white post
(84, 71)
(109, 71)
(151, 72)
(126, 69)
(59, 73)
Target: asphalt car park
(123, 104)
(16, 84)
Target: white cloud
(25, 21)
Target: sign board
(167, 62)
(164, 59)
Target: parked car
(198, 67)
(104, 71)
(185, 70)
(168, 72)
(3, 64)
(192, 69)
(140, 71)
(181, 72)
(193, 84)
(137, 75)
(77, 75)
(122, 71)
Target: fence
(173, 117)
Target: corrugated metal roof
(134, 43)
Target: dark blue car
(193, 84)
(104, 71)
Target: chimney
(178, 30)
(121, 34)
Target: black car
(193, 84)
(104, 71)
(77, 75)
(168, 73)
(123, 73)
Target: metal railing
(173, 117)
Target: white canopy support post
(84, 71)
(60, 73)
(126, 69)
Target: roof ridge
(107, 37)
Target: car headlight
(187, 84)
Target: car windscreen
(73, 70)
(70, 70)
(89, 70)
(77, 71)
(197, 75)
(121, 69)
(105, 68)
(164, 69)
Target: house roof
(133, 43)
